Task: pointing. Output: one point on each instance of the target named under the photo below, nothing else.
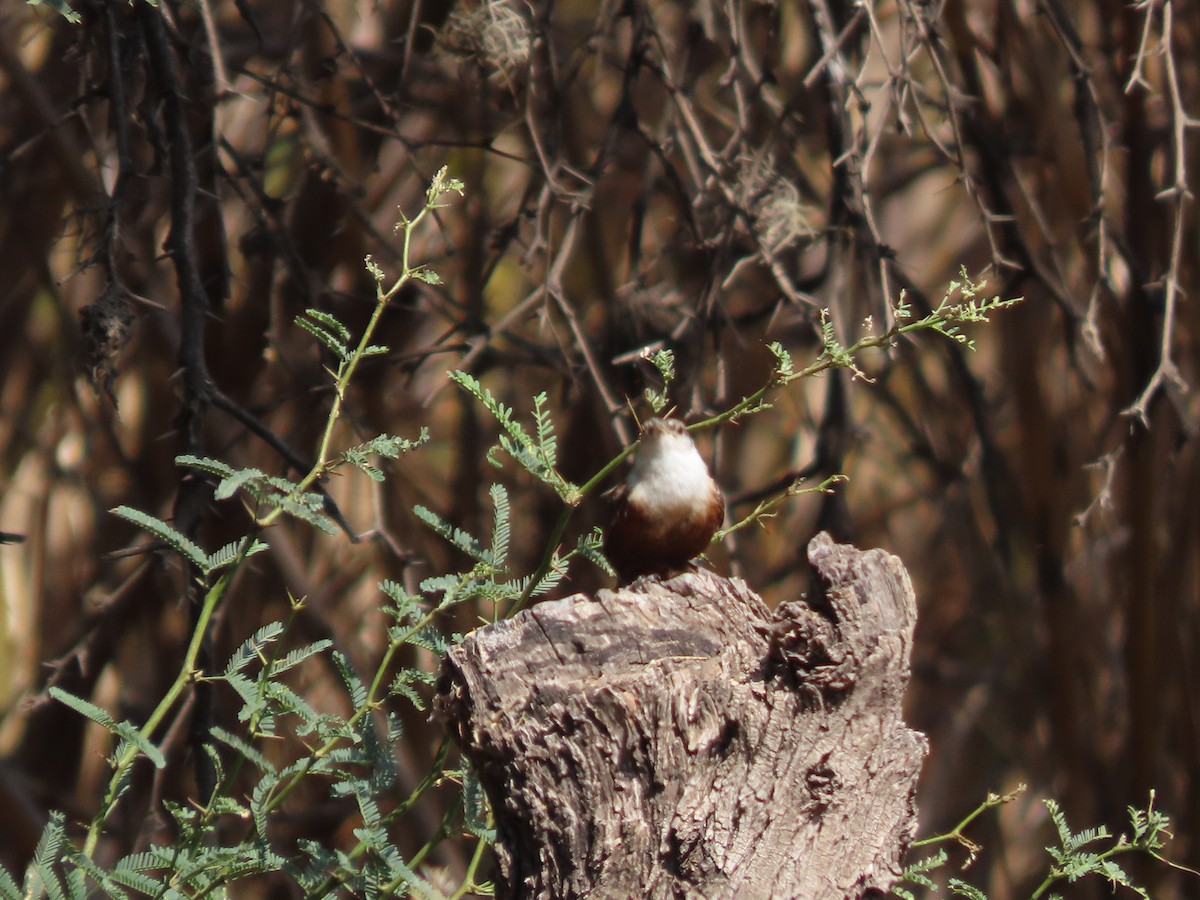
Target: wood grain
(676, 738)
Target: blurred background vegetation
(639, 174)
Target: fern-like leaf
(246, 749)
(8, 886)
(664, 361)
(591, 548)
(227, 554)
(164, 533)
(537, 455)
(286, 700)
(252, 648)
(403, 685)
(501, 529)
(363, 463)
(127, 732)
(391, 446)
(554, 574)
(41, 875)
(233, 482)
(404, 606)
(122, 730)
(358, 690)
(547, 442)
(302, 508)
(109, 880)
(205, 464)
(476, 816)
(321, 325)
(429, 638)
(784, 367)
(299, 655)
(465, 542)
(960, 888)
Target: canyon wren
(667, 510)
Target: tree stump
(675, 738)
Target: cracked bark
(676, 738)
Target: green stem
(468, 882)
(187, 674)
(373, 701)
(1057, 873)
(432, 777)
(435, 839)
(768, 506)
(956, 833)
(560, 528)
(348, 367)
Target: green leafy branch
(350, 741)
(918, 874)
(488, 578)
(1072, 858)
(536, 453)
(960, 305)
(207, 564)
(957, 834)
(336, 338)
(135, 742)
(345, 747)
(664, 362)
(765, 509)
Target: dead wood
(676, 738)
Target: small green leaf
(501, 529)
(205, 464)
(336, 347)
(426, 275)
(329, 321)
(358, 690)
(41, 875)
(123, 730)
(299, 655)
(128, 732)
(404, 606)
(164, 533)
(242, 477)
(476, 815)
(251, 753)
(960, 888)
(465, 542)
(252, 648)
(302, 508)
(784, 367)
(85, 708)
(229, 553)
(590, 547)
(8, 887)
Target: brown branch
(193, 495)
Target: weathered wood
(676, 738)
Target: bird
(668, 508)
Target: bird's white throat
(669, 475)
